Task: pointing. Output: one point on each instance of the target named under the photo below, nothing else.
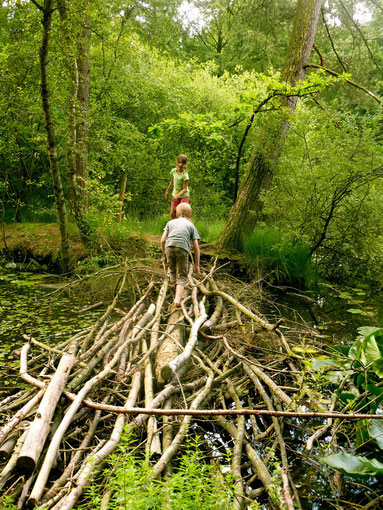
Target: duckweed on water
(27, 305)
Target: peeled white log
(173, 447)
(170, 347)
(173, 367)
(85, 477)
(39, 429)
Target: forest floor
(41, 241)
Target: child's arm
(168, 188)
(163, 240)
(196, 256)
(180, 193)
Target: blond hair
(183, 210)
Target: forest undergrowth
(209, 406)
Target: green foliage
(290, 262)
(361, 367)
(161, 84)
(194, 483)
(362, 364)
(354, 465)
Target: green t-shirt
(178, 182)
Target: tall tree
(77, 40)
(264, 158)
(47, 10)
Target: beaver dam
(213, 379)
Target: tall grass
(209, 230)
(35, 214)
(289, 261)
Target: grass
(290, 261)
(209, 230)
(154, 225)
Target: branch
(40, 7)
(354, 84)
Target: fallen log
(39, 429)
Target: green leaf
(375, 431)
(348, 395)
(321, 363)
(377, 367)
(337, 376)
(371, 350)
(354, 465)
(355, 311)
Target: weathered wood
(56, 440)
(20, 415)
(173, 366)
(7, 447)
(170, 347)
(92, 463)
(7, 471)
(86, 446)
(39, 429)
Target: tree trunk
(51, 136)
(265, 155)
(82, 169)
(77, 63)
(121, 197)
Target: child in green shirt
(179, 180)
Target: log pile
(138, 370)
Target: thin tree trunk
(51, 136)
(121, 197)
(265, 155)
(77, 63)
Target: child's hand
(166, 195)
(165, 260)
(197, 271)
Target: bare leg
(178, 296)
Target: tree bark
(265, 155)
(121, 197)
(51, 136)
(77, 64)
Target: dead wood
(158, 371)
(39, 429)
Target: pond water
(28, 304)
(336, 313)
